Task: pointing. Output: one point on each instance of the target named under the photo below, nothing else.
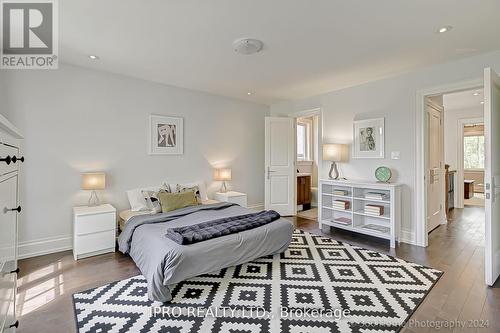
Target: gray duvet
(164, 262)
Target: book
(341, 204)
(374, 209)
(375, 196)
(343, 220)
(376, 227)
(340, 192)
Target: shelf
(389, 222)
(373, 200)
(361, 213)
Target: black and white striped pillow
(152, 201)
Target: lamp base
(94, 199)
(223, 188)
(333, 168)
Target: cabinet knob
(16, 271)
(16, 324)
(17, 209)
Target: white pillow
(136, 198)
(201, 186)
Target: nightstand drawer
(95, 223)
(95, 242)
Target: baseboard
(256, 206)
(39, 247)
(408, 237)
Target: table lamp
(335, 153)
(222, 175)
(93, 181)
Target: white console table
(385, 226)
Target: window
(474, 152)
(304, 141)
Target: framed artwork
(166, 135)
(369, 136)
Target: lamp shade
(222, 174)
(335, 152)
(94, 181)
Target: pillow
(187, 188)
(173, 201)
(136, 199)
(201, 187)
(151, 198)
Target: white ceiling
(311, 46)
(463, 100)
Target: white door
(435, 185)
(492, 174)
(280, 177)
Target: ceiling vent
(247, 46)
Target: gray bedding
(164, 262)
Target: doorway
(307, 166)
(472, 161)
(490, 82)
(454, 154)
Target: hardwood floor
(46, 283)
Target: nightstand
(94, 230)
(232, 196)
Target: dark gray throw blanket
(211, 229)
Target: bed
(164, 262)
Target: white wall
(394, 99)
(451, 118)
(77, 120)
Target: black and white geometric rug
(318, 285)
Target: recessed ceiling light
(93, 57)
(444, 29)
(476, 93)
(482, 102)
(249, 93)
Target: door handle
(17, 209)
(7, 159)
(269, 171)
(15, 159)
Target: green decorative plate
(383, 174)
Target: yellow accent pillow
(173, 201)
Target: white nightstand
(94, 230)
(232, 196)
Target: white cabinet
(232, 196)
(10, 160)
(350, 205)
(94, 230)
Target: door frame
(421, 137)
(460, 157)
(304, 114)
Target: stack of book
(341, 204)
(374, 210)
(376, 227)
(375, 196)
(340, 192)
(343, 220)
